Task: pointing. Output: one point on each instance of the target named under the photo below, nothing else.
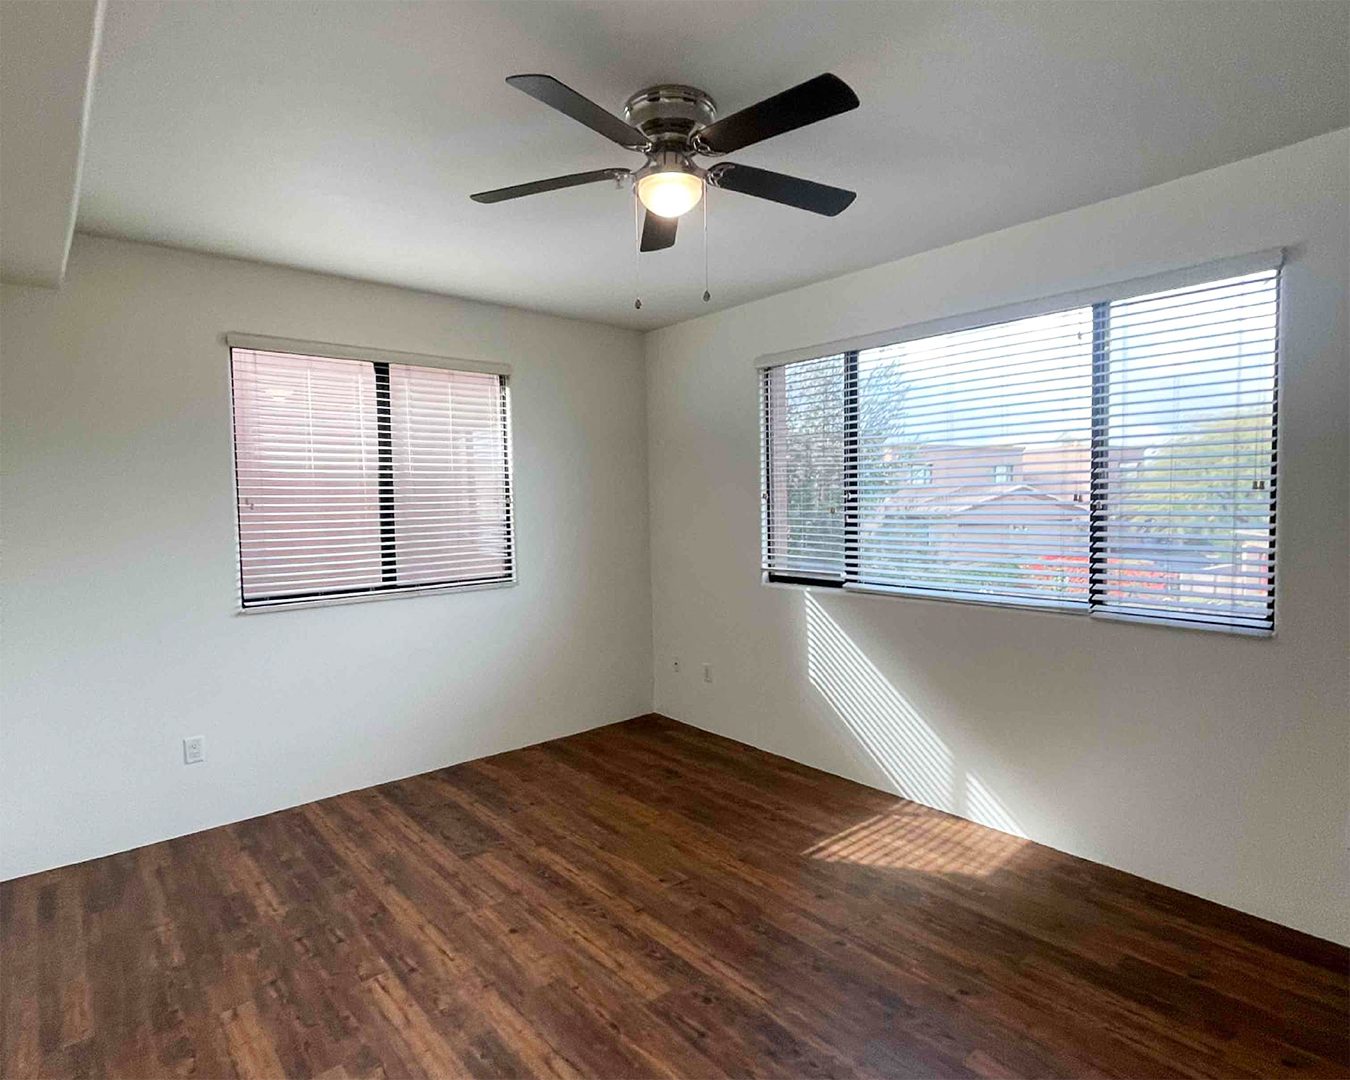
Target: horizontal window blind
(357, 477)
(1184, 510)
(1115, 457)
(973, 461)
(804, 469)
(452, 511)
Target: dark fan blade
(551, 92)
(552, 184)
(789, 190)
(816, 99)
(657, 232)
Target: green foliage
(1217, 476)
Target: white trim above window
(1114, 457)
(297, 346)
(1214, 270)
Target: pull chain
(637, 251)
(706, 294)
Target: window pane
(450, 479)
(305, 455)
(804, 468)
(974, 460)
(1189, 489)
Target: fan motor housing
(669, 114)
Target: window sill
(1045, 608)
(366, 598)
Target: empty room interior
(717, 538)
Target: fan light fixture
(670, 194)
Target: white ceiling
(346, 137)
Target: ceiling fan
(672, 124)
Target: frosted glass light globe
(670, 194)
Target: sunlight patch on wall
(982, 805)
(886, 725)
(913, 758)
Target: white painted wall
(120, 631)
(1214, 763)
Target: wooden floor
(643, 900)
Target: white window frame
(1124, 289)
(329, 350)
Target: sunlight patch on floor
(920, 841)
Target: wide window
(362, 477)
(1117, 456)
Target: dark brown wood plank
(644, 899)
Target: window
(363, 477)
(1115, 457)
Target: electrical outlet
(676, 665)
(194, 749)
(707, 673)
